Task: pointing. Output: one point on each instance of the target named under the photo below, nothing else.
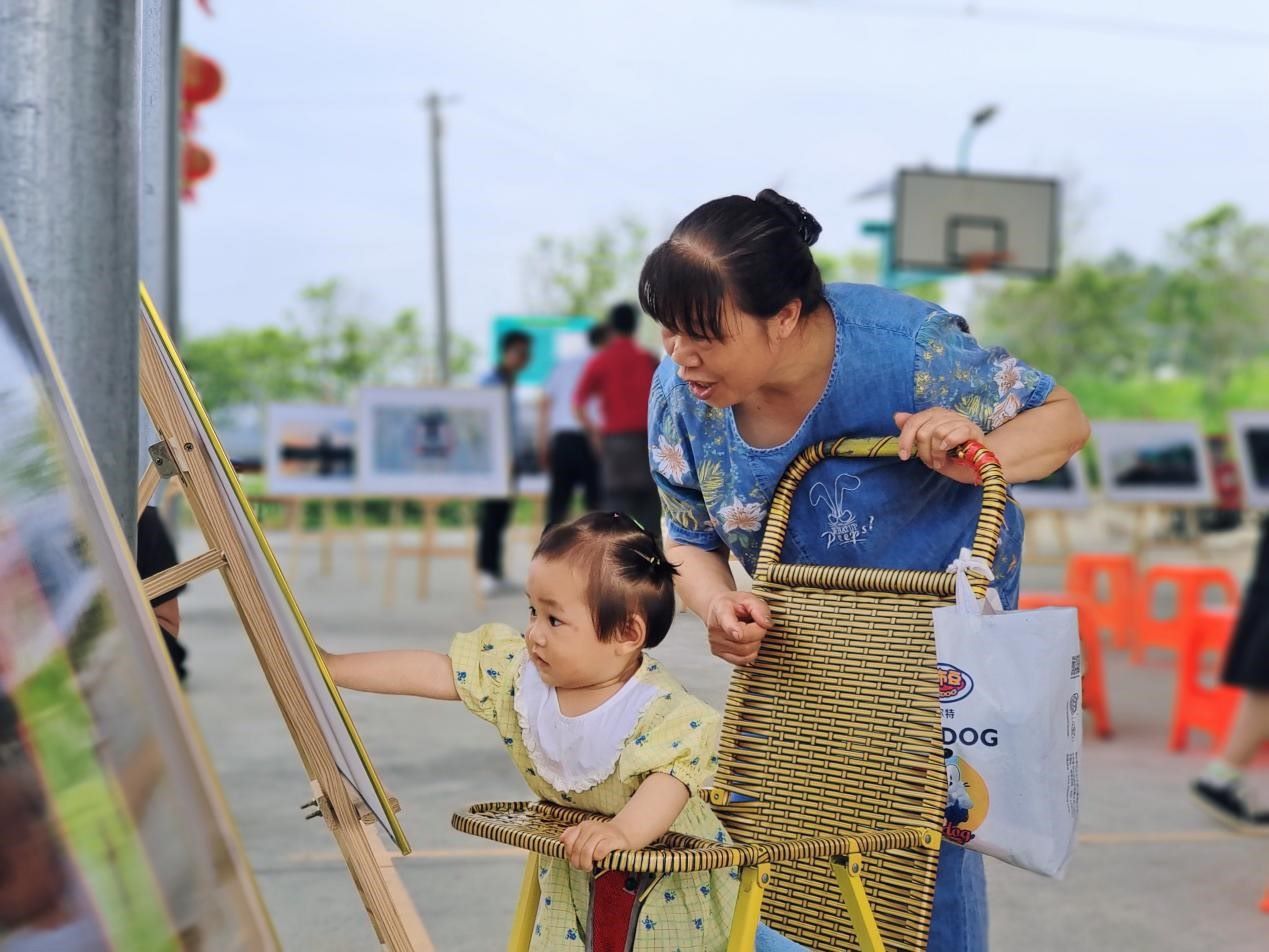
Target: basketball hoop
(976, 262)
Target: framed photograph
(1066, 489)
(1250, 431)
(312, 450)
(1152, 462)
(434, 442)
(113, 833)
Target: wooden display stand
(1031, 553)
(181, 453)
(427, 549)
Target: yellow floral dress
(675, 734)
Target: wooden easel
(182, 453)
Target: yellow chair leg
(526, 908)
(848, 870)
(744, 921)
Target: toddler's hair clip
(653, 560)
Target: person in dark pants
(155, 553)
(514, 350)
(620, 375)
(570, 461)
(1222, 788)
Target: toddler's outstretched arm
(412, 671)
(655, 805)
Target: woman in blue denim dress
(763, 360)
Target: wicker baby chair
(831, 761)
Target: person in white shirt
(570, 460)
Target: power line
(1111, 26)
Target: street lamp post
(976, 121)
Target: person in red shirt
(620, 375)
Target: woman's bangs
(683, 292)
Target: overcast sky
(572, 114)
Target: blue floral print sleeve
(680, 480)
(985, 384)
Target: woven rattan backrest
(835, 729)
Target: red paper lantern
(196, 164)
(201, 82)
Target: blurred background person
(156, 553)
(514, 350)
(620, 375)
(1222, 788)
(570, 461)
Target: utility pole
(68, 193)
(433, 102)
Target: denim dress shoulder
(892, 353)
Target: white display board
(1065, 490)
(434, 442)
(1152, 462)
(1250, 431)
(311, 450)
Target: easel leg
(420, 941)
(431, 513)
(526, 908)
(293, 519)
(1064, 536)
(359, 538)
(473, 540)
(328, 537)
(390, 568)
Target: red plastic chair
(1198, 706)
(1117, 613)
(1093, 681)
(1191, 583)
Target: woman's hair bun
(804, 222)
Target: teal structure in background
(553, 338)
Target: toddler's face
(561, 638)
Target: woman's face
(726, 372)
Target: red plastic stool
(1198, 706)
(1191, 583)
(1116, 614)
(1093, 681)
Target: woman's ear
(786, 320)
(632, 636)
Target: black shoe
(178, 653)
(1229, 805)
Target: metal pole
(159, 80)
(433, 105)
(962, 153)
(68, 192)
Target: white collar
(573, 754)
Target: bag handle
(991, 520)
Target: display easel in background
(189, 451)
(429, 547)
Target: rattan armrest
(536, 827)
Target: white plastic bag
(1010, 692)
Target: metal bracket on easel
(164, 460)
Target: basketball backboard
(954, 222)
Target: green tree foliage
(324, 352)
(588, 274)
(1187, 338)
